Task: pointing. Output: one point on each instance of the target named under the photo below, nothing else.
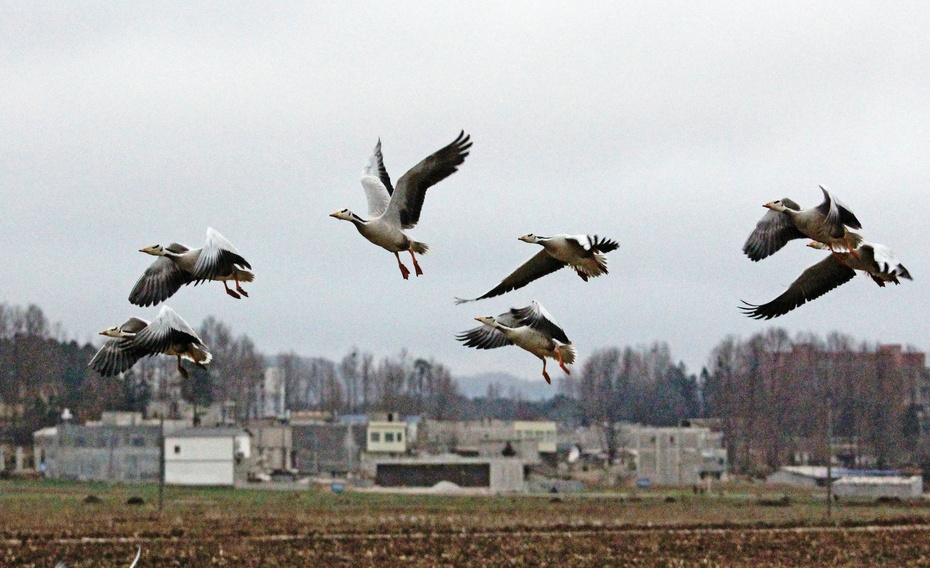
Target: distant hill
(477, 385)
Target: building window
(177, 449)
(388, 436)
(375, 436)
(400, 437)
(137, 441)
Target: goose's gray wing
(538, 318)
(116, 356)
(483, 337)
(814, 282)
(407, 199)
(217, 258)
(536, 267)
(772, 232)
(160, 280)
(377, 183)
(837, 214)
(486, 337)
(166, 330)
(134, 325)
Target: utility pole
(161, 462)
(829, 456)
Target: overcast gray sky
(130, 124)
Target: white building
(207, 456)
(541, 432)
(874, 487)
(387, 436)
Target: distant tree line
(359, 384)
(771, 401)
(774, 397)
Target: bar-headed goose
(168, 333)
(391, 210)
(835, 270)
(584, 253)
(530, 328)
(178, 265)
(827, 223)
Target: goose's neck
(356, 220)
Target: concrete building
(541, 432)
(271, 394)
(327, 447)
(490, 438)
(388, 436)
(494, 474)
(875, 487)
(207, 456)
(272, 445)
(673, 455)
(121, 447)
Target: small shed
(207, 456)
(494, 474)
(874, 487)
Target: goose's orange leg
(230, 292)
(558, 353)
(403, 269)
(545, 374)
(416, 266)
(849, 247)
(240, 290)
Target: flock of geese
(828, 226)
(394, 209)
(391, 210)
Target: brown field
(44, 522)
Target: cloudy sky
(123, 125)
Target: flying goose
(391, 210)
(530, 328)
(583, 253)
(168, 333)
(178, 266)
(827, 223)
(835, 270)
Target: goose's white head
(114, 332)
(487, 320)
(776, 205)
(529, 238)
(344, 214)
(154, 250)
